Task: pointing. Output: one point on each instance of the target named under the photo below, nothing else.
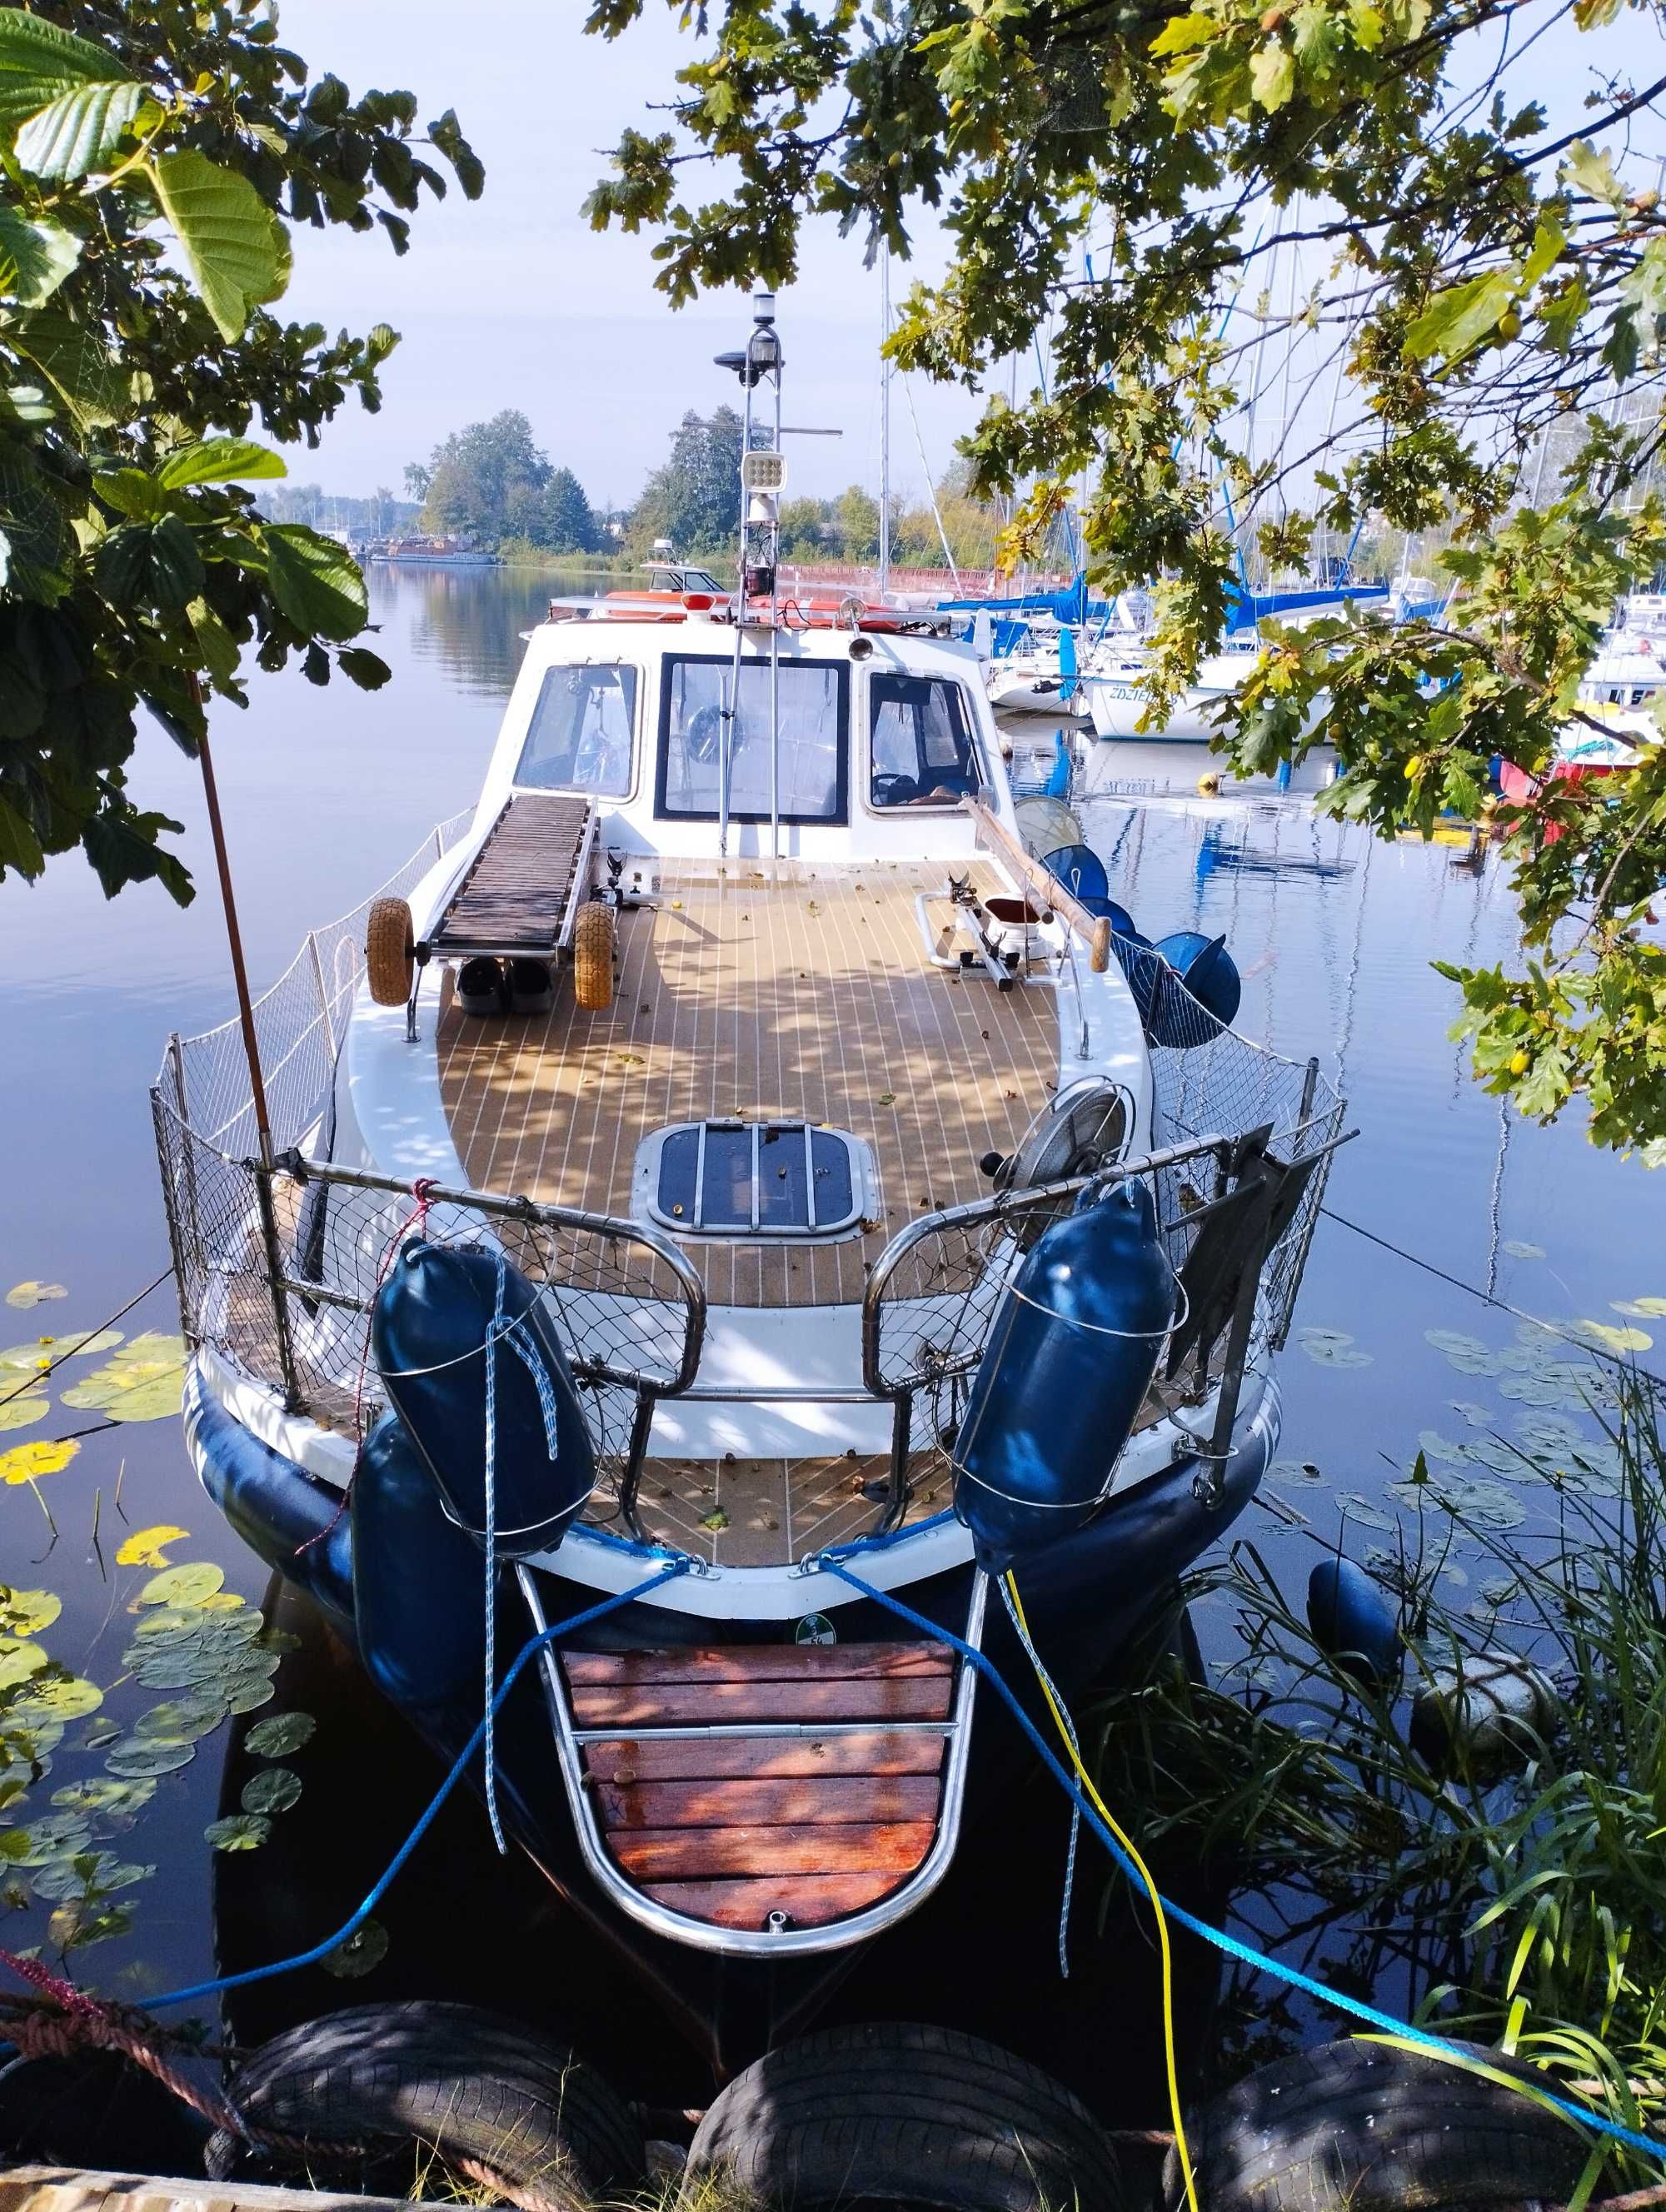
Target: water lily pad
(1477, 1416)
(1305, 1471)
(1454, 1343)
(239, 1832)
(364, 1949)
(1333, 1347)
(1364, 1511)
(174, 1670)
(186, 1585)
(1530, 1389)
(27, 1611)
(1498, 1589)
(248, 1696)
(223, 1602)
(274, 1790)
(1493, 1507)
(34, 1294)
(18, 1660)
(23, 1413)
(27, 1462)
(1518, 1248)
(57, 1836)
(101, 1733)
(143, 1381)
(88, 1871)
(1640, 1308)
(104, 1793)
(180, 1720)
(134, 1755)
(143, 1548)
(1433, 1445)
(58, 1697)
(164, 1622)
(283, 1733)
(1611, 1339)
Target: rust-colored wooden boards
(515, 893)
(732, 1828)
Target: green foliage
(1491, 285)
(152, 161)
(491, 483)
(693, 498)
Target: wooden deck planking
(624, 1708)
(809, 1901)
(761, 1512)
(810, 996)
(760, 1662)
(694, 1759)
(894, 1848)
(781, 1801)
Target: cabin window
(582, 731)
(754, 1179)
(921, 749)
(695, 696)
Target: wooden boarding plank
(689, 1759)
(759, 1662)
(695, 1854)
(809, 1901)
(809, 1801)
(515, 893)
(672, 1705)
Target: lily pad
(57, 1835)
(1433, 1445)
(104, 1793)
(274, 1790)
(27, 1463)
(1494, 1507)
(1610, 1338)
(239, 1832)
(18, 1660)
(180, 1720)
(1305, 1471)
(1477, 1416)
(180, 1586)
(87, 1871)
(143, 1381)
(58, 1697)
(1365, 1512)
(1456, 1344)
(248, 1696)
(283, 1733)
(1640, 1308)
(1518, 1248)
(34, 1294)
(364, 1949)
(23, 1413)
(27, 1611)
(135, 1755)
(143, 1548)
(1530, 1389)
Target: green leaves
(79, 130)
(35, 257)
(1461, 316)
(230, 237)
(315, 581)
(218, 460)
(38, 63)
(446, 135)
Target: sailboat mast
(884, 424)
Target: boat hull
(1088, 1602)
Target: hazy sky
(512, 301)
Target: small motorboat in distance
(731, 1153)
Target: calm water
(324, 792)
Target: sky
(513, 302)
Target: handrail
(1094, 928)
(529, 1210)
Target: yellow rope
(1110, 1821)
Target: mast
(884, 424)
(762, 474)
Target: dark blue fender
(419, 1587)
(279, 1511)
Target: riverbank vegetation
(1498, 1872)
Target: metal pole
(239, 973)
(727, 723)
(323, 996)
(775, 658)
(274, 1246)
(884, 425)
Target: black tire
(897, 2114)
(1363, 2127)
(421, 2084)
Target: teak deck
(810, 996)
(515, 896)
(732, 1829)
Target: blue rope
(350, 1926)
(489, 1719)
(1246, 1953)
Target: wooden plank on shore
(84, 2189)
(925, 1698)
(696, 1854)
(693, 1759)
(760, 1662)
(809, 1901)
(813, 1801)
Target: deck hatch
(731, 1178)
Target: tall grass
(1518, 1900)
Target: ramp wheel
(407, 2099)
(593, 958)
(902, 2115)
(390, 951)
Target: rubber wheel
(423, 2085)
(897, 2114)
(389, 954)
(1363, 2127)
(593, 958)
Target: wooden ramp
(520, 888)
(732, 1828)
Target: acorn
(1519, 1063)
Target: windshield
(582, 731)
(920, 743)
(694, 697)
